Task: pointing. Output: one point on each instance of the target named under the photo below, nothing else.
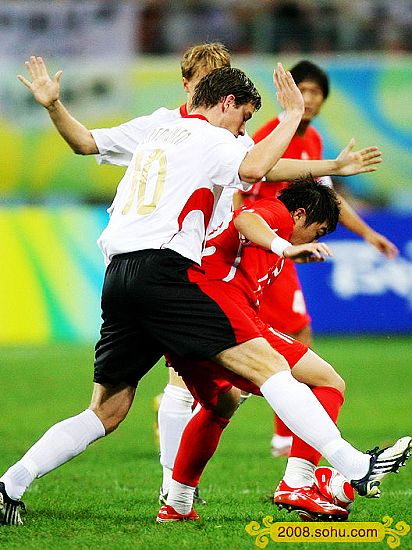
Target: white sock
(16, 480)
(174, 413)
(349, 464)
(281, 441)
(299, 473)
(180, 497)
(58, 445)
(167, 479)
(304, 416)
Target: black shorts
(157, 301)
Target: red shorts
(283, 304)
(206, 380)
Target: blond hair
(204, 57)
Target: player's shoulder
(273, 203)
(165, 111)
(268, 205)
(161, 115)
(275, 213)
(221, 135)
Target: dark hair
(320, 202)
(222, 82)
(306, 70)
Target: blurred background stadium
(121, 60)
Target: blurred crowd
(272, 26)
(109, 27)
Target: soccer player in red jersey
(241, 260)
(283, 304)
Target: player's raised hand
(351, 162)
(45, 90)
(306, 253)
(381, 243)
(288, 94)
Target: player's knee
(227, 403)
(110, 419)
(340, 384)
(255, 360)
(265, 365)
(175, 379)
(111, 403)
(334, 380)
(304, 336)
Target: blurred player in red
(283, 304)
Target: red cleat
(308, 502)
(334, 487)
(168, 513)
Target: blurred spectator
(325, 27)
(292, 26)
(273, 26)
(192, 21)
(397, 27)
(107, 27)
(150, 21)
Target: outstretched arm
(267, 152)
(46, 91)
(352, 221)
(347, 163)
(255, 229)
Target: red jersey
(306, 147)
(229, 257)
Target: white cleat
(382, 463)
(9, 508)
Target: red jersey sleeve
(265, 130)
(275, 214)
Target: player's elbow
(83, 152)
(80, 151)
(86, 146)
(254, 167)
(241, 222)
(252, 174)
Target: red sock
(280, 428)
(198, 444)
(331, 400)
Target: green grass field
(107, 497)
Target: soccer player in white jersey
(156, 297)
(116, 146)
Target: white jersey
(116, 146)
(168, 193)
